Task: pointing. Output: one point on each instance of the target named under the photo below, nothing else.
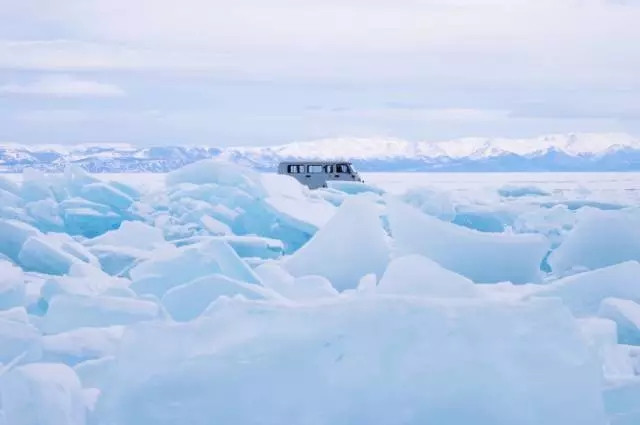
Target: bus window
(328, 169)
(295, 169)
(342, 169)
(314, 169)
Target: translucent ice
(215, 227)
(584, 292)
(482, 257)
(352, 244)
(134, 234)
(512, 191)
(13, 235)
(358, 361)
(188, 301)
(88, 222)
(418, 275)
(432, 202)
(38, 254)
(43, 394)
(219, 172)
(174, 267)
(353, 188)
(599, 239)
(95, 282)
(626, 314)
(81, 344)
(12, 286)
(103, 193)
(67, 312)
(303, 288)
(16, 338)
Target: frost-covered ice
(321, 364)
(351, 245)
(219, 294)
(626, 314)
(482, 257)
(43, 394)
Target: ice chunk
(368, 283)
(88, 222)
(13, 235)
(215, 227)
(134, 234)
(598, 332)
(601, 337)
(302, 288)
(311, 288)
(484, 220)
(418, 275)
(8, 199)
(43, 394)
(482, 257)
(67, 312)
(118, 260)
(584, 292)
(599, 239)
(553, 222)
(89, 284)
(9, 186)
(16, 338)
(358, 360)
(35, 185)
(94, 373)
(15, 314)
(626, 314)
(431, 202)
(46, 214)
(353, 188)
(81, 344)
(76, 177)
(291, 203)
(188, 301)
(12, 286)
(103, 193)
(245, 246)
(512, 191)
(255, 246)
(68, 245)
(308, 215)
(621, 402)
(127, 189)
(352, 244)
(173, 267)
(219, 172)
(38, 254)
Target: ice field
(218, 295)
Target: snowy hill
(570, 152)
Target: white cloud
(444, 115)
(63, 86)
(465, 40)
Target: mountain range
(559, 152)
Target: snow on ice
(229, 296)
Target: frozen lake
(218, 295)
(603, 186)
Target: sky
(261, 72)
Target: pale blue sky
(263, 71)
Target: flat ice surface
(229, 296)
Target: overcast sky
(274, 71)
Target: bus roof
(297, 162)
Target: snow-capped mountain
(569, 152)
